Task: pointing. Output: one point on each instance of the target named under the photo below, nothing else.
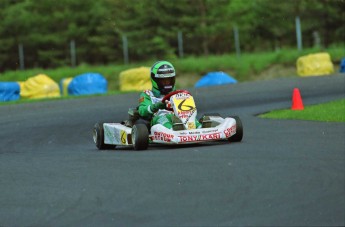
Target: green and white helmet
(162, 78)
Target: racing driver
(150, 103)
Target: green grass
(328, 112)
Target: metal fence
(236, 37)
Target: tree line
(45, 28)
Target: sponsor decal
(194, 138)
(209, 131)
(230, 131)
(189, 116)
(182, 95)
(164, 75)
(163, 136)
(141, 99)
(184, 103)
(185, 107)
(191, 125)
(166, 70)
(193, 132)
(123, 136)
(184, 114)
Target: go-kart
(138, 133)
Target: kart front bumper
(162, 135)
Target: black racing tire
(98, 137)
(140, 137)
(239, 131)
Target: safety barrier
(315, 65)
(215, 78)
(87, 84)
(342, 66)
(137, 79)
(64, 85)
(9, 91)
(39, 86)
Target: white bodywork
(118, 134)
(160, 134)
(183, 106)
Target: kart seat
(135, 118)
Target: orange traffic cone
(297, 103)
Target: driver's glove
(155, 107)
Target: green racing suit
(147, 103)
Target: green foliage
(46, 27)
(332, 111)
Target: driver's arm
(146, 107)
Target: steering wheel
(167, 97)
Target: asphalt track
(283, 173)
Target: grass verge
(27, 100)
(247, 67)
(329, 112)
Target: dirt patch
(186, 80)
(272, 72)
(275, 71)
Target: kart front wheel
(239, 131)
(98, 137)
(140, 137)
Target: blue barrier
(214, 79)
(87, 84)
(342, 66)
(9, 91)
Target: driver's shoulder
(147, 92)
(151, 94)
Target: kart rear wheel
(239, 131)
(98, 137)
(140, 137)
